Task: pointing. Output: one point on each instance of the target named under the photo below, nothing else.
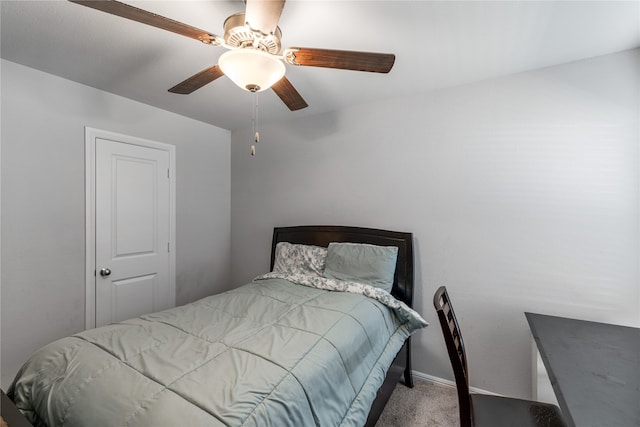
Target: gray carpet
(425, 405)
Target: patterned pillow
(299, 259)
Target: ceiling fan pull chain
(256, 133)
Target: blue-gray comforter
(271, 353)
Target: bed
(315, 342)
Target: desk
(594, 369)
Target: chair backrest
(455, 348)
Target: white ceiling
(437, 44)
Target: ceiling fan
(255, 58)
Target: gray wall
(521, 192)
(43, 205)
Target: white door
(132, 231)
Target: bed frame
(322, 235)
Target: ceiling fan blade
(289, 95)
(263, 15)
(196, 81)
(341, 59)
(139, 15)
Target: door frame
(91, 135)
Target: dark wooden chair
(483, 410)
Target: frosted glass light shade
(253, 70)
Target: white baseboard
(447, 383)
(434, 380)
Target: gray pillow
(363, 263)
(299, 259)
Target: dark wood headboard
(322, 235)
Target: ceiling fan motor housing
(239, 35)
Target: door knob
(105, 272)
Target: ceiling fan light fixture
(251, 69)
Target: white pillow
(299, 259)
